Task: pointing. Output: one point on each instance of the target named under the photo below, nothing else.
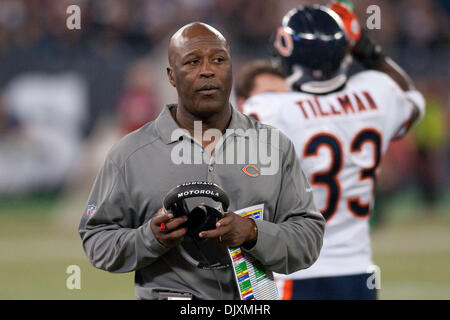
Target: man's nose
(206, 70)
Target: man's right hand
(167, 229)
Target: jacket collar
(169, 131)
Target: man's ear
(171, 77)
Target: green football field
(37, 245)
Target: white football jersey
(340, 139)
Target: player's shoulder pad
(266, 101)
(268, 107)
(269, 134)
(374, 79)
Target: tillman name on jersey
(344, 104)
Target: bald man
(200, 70)
(125, 229)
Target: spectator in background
(258, 77)
(252, 23)
(138, 103)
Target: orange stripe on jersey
(287, 289)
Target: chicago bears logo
(250, 170)
(283, 42)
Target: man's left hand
(232, 230)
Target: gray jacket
(144, 165)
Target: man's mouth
(208, 89)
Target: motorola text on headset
(202, 217)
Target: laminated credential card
(253, 280)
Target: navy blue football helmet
(311, 47)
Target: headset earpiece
(179, 208)
(201, 218)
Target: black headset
(202, 217)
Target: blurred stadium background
(67, 95)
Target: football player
(341, 126)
